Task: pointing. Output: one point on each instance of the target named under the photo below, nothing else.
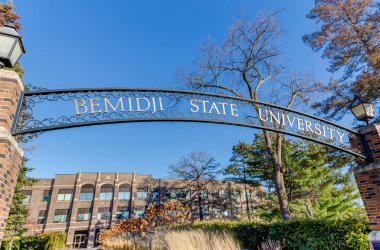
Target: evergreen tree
(249, 165)
(318, 179)
(319, 182)
(18, 211)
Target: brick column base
(11, 89)
(367, 176)
(10, 163)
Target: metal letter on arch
(40, 111)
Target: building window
(139, 212)
(106, 192)
(170, 194)
(86, 193)
(203, 194)
(216, 211)
(235, 194)
(124, 192)
(28, 196)
(178, 194)
(42, 217)
(227, 213)
(248, 195)
(156, 194)
(226, 194)
(65, 194)
(84, 214)
(60, 215)
(257, 194)
(104, 213)
(122, 213)
(141, 194)
(205, 210)
(215, 194)
(239, 209)
(46, 196)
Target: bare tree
(198, 170)
(245, 65)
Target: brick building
(84, 204)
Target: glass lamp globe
(11, 47)
(363, 111)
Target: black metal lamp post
(11, 47)
(362, 110)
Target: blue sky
(120, 43)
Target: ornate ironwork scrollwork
(56, 109)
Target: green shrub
(297, 234)
(46, 241)
(321, 234)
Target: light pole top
(11, 46)
(362, 110)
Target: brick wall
(372, 135)
(368, 183)
(135, 181)
(11, 88)
(367, 174)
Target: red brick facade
(230, 203)
(367, 176)
(10, 154)
(368, 183)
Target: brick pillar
(74, 211)
(11, 88)
(115, 199)
(367, 175)
(94, 215)
(132, 199)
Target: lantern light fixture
(362, 110)
(11, 46)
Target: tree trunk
(11, 243)
(278, 176)
(200, 212)
(200, 205)
(281, 192)
(247, 200)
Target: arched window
(87, 193)
(106, 192)
(124, 192)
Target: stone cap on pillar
(370, 166)
(11, 76)
(372, 137)
(5, 134)
(369, 129)
(368, 142)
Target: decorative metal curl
(37, 114)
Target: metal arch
(78, 90)
(30, 99)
